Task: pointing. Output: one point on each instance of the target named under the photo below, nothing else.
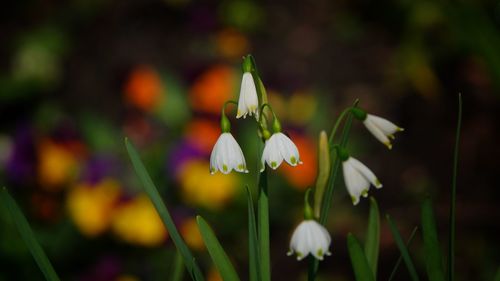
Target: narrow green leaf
(433, 260)
(373, 237)
(253, 249)
(362, 270)
(497, 275)
(451, 247)
(219, 256)
(324, 164)
(28, 236)
(400, 259)
(263, 230)
(178, 267)
(162, 210)
(402, 248)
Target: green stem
(400, 259)
(337, 124)
(451, 257)
(263, 230)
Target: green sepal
(308, 211)
(225, 125)
(247, 64)
(342, 153)
(358, 113)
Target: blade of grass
(162, 210)
(28, 236)
(178, 267)
(253, 249)
(433, 260)
(362, 270)
(400, 259)
(402, 248)
(451, 253)
(263, 230)
(219, 256)
(373, 237)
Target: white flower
(248, 102)
(227, 155)
(381, 128)
(278, 148)
(310, 237)
(357, 178)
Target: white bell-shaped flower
(381, 128)
(227, 155)
(248, 102)
(358, 178)
(310, 237)
(278, 148)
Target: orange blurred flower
(57, 164)
(143, 88)
(302, 176)
(91, 207)
(138, 222)
(203, 134)
(214, 87)
(191, 234)
(231, 43)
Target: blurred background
(78, 76)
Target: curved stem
(226, 103)
(337, 124)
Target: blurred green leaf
(402, 248)
(178, 267)
(433, 258)
(373, 237)
(362, 270)
(162, 210)
(219, 256)
(28, 236)
(400, 259)
(253, 249)
(497, 275)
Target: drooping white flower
(358, 178)
(248, 102)
(310, 237)
(381, 128)
(227, 155)
(278, 148)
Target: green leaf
(324, 164)
(253, 248)
(263, 235)
(400, 259)
(497, 275)
(451, 247)
(219, 256)
(362, 270)
(402, 248)
(433, 260)
(28, 236)
(178, 267)
(373, 237)
(162, 210)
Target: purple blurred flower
(20, 166)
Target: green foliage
(253, 242)
(219, 256)
(433, 258)
(360, 265)
(403, 249)
(162, 210)
(28, 236)
(373, 237)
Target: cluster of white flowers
(309, 237)
(227, 155)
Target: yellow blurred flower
(56, 165)
(202, 189)
(138, 222)
(191, 234)
(304, 106)
(91, 207)
(126, 278)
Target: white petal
(367, 173)
(248, 102)
(386, 126)
(356, 184)
(376, 132)
(274, 158)
(288, 149)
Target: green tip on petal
(355, 200)
(388, 144)
(364, 193)
(400, 129)
(320, 252)
(224, 168)
(391, 137)
(378, 184)
(273, 165)
(293, 160)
